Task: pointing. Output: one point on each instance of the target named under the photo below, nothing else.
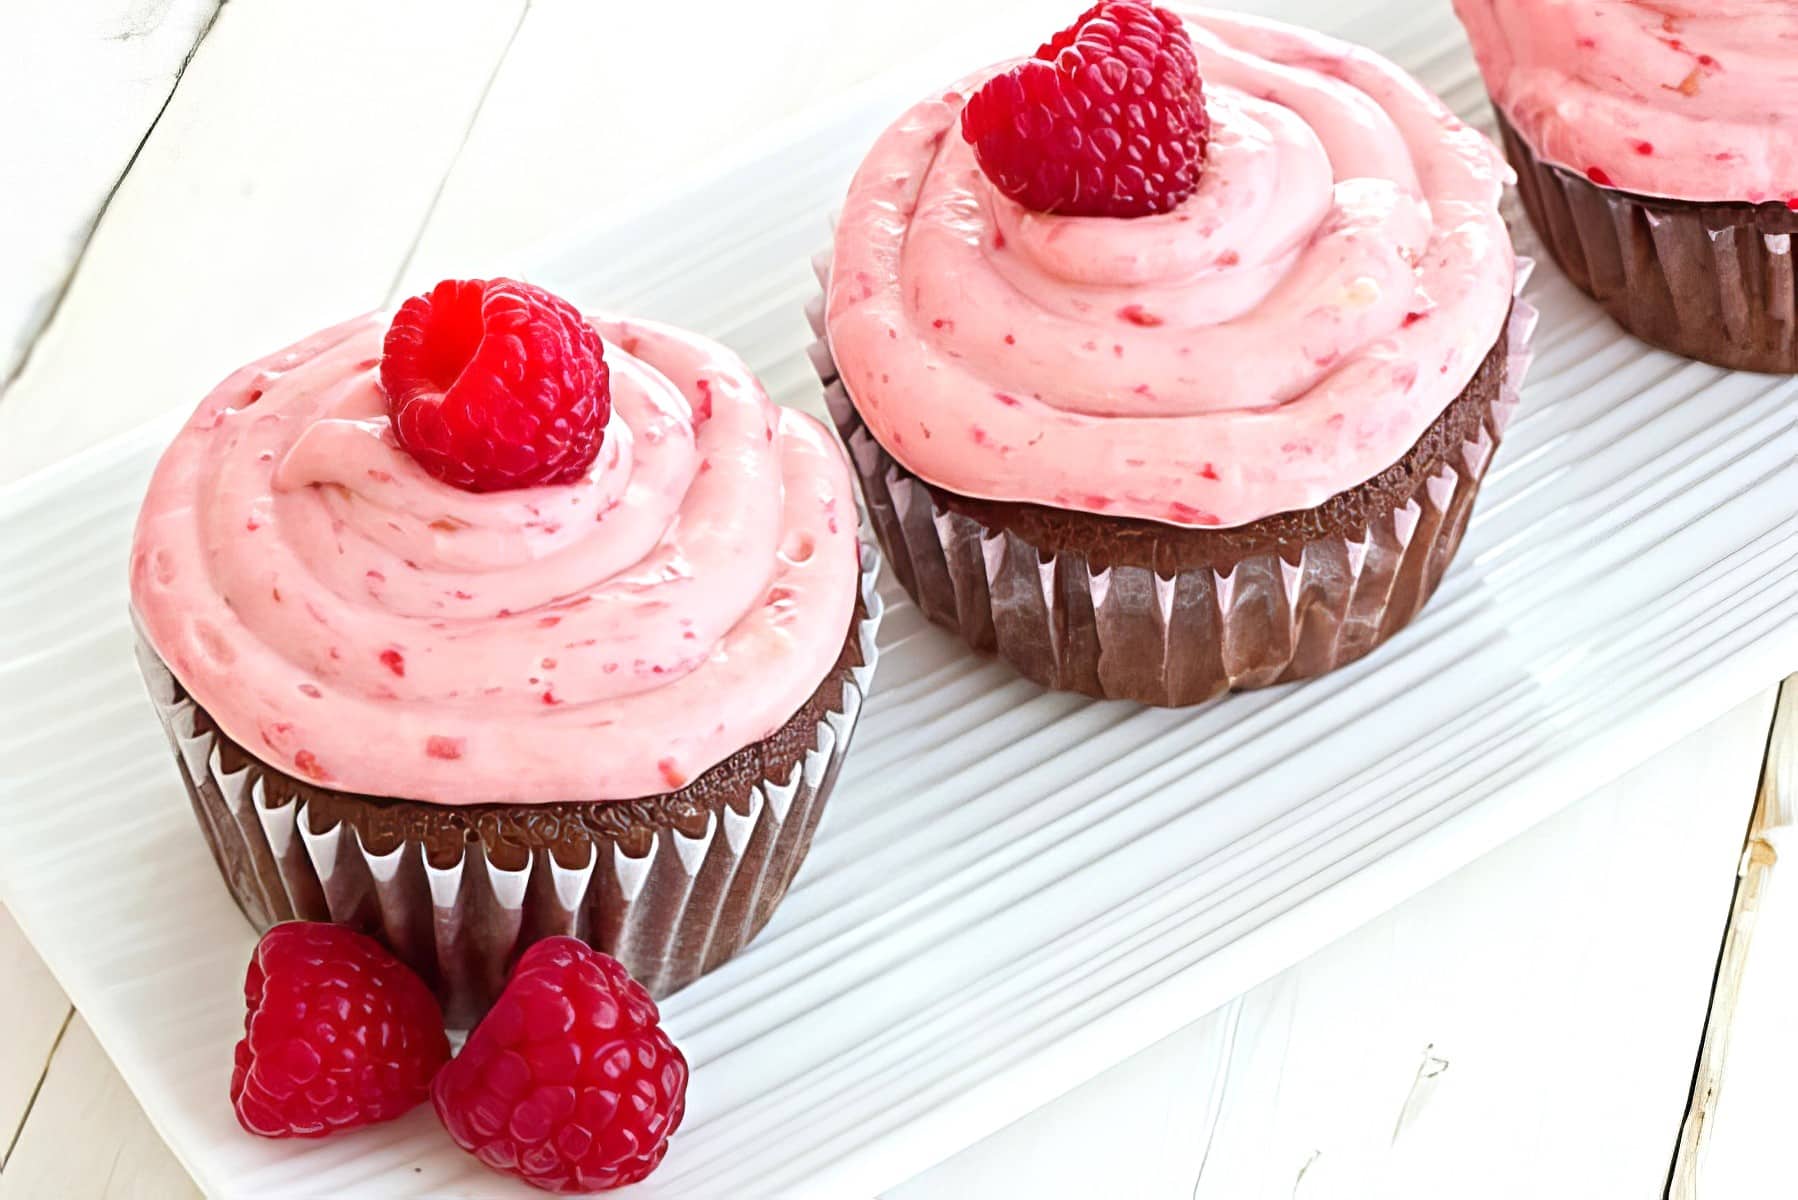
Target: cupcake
(1171, 358)
(1657, 156)
(492, 622)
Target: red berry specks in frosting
(569, 1082)
(339, 1033)
(307, 764)
(495, 384)
(1107, 120)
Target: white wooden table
(190, 184)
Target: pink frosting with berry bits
(1689, 99)
(1285, 333)
(352, 620)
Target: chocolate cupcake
(1155, 432)
(475, 629)
(1658, 162)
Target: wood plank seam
(1220, 1089)
(474, 117)
(68, 279)
(1758, 857)
(25, 1117)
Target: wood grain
(87, 1137)
(113, 64)
(1735, 1132)
(36, 1012)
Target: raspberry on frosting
(494, 384)
(1108, 119)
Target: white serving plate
(1012, 889)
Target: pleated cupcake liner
(1711, 281)
(1131, 632)
(670, 913)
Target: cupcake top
(1689, 99)
(1281, 332)
(675, 593)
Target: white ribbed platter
(1012, 890)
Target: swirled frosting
(1690, 99)
(352, 620)
(1287, 332)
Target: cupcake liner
(1130, 632)
(670, 905)
(1711, 281)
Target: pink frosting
(1695, 100)
(1286, 333)
(348, 618)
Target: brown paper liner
(671, 885)
(1711, 281)
(1180, 633)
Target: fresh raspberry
(338, 1034)
(568, 1082)
(495, 384)
(1108, 120)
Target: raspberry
(495, 384)
(338, 1034)
(568, 1082)
(1108, 120)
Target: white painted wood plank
(1533, 1017)
(598, 104)
(87, 1137)
(281, 190)
(1737, 1137)
(35, 1013)
(82, 84)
